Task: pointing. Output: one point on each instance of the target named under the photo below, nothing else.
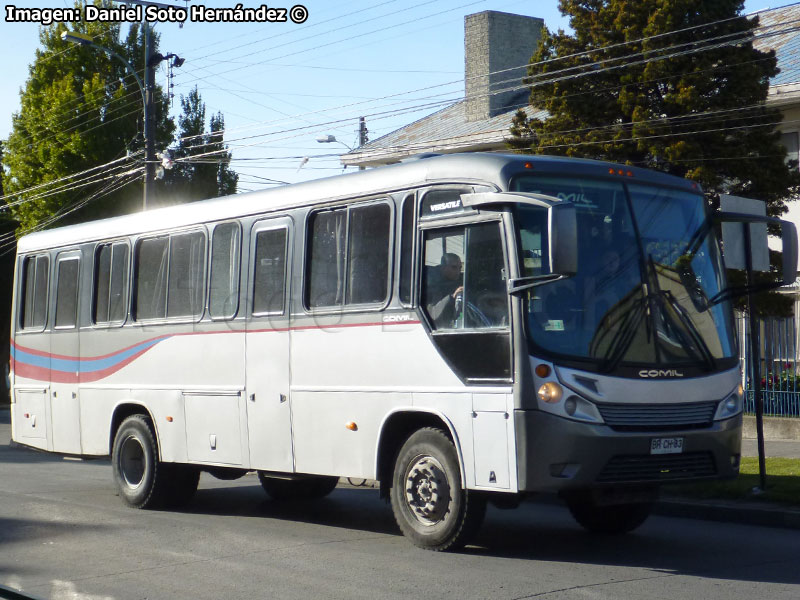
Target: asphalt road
(65, 535)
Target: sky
(281, 86)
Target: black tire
(611, 519)
(428, 501)
(181, 484)
(307, 488)
(141, 479)
(226, 473)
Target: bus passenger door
(269, 416)
(65, 352)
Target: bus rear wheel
(607, 519)
(430, 505)
(307, 488)
(142, 479)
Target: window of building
(789, 140)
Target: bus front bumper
(556, 454)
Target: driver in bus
(444, 288)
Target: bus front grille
(691, 465)
(655, 417)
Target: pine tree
(209, 175)
(698, 114)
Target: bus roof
(491, 169)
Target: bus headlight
(730, 406)
(550, 392)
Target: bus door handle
(282, 398)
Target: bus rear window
(35, 274)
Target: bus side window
(406, 249)
(35, 276)
(110, 283)
(269, 277)
(67, 293)
(150, 278)
(325, 268)
(368, 254)
(223, 301)
(464, 278)
(187, 253)
(348, 256)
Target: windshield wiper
(520, 284)
(624, 336)
(690, 327)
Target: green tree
(672, 85)
(210, 174)
(81, 108)
(697, 114)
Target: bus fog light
(571, 405)
(550, 392)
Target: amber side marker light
(621, 172)
(351, 426)
(528, 165)
(169, 419)
(542, 370)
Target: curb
(723, 511)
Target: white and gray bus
(462, 329)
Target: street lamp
(86, 40)
(362, 138)
(331, 139)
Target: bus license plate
(666, 445)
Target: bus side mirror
(563, 239)
(737, 227)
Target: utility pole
(362, 135)
(149, 118)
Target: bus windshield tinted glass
(637, 300)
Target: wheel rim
(427, 490)
(132, 462)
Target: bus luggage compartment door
(490, 441)
(30, 416)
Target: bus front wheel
(429, 503)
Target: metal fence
(778, 358)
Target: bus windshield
(648, 266)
